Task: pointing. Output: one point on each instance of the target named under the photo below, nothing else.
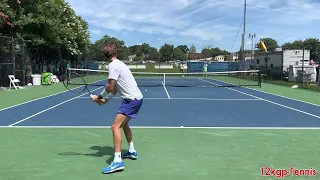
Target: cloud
(96, 31)
(202, 21)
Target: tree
(52, 26)
(207, 52)
(97, 47)
(270, 43)
(178, 54)
(183, 48)
(166, 52)
(154, 54)
(193, 49)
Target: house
(219, 58)
(194, 56)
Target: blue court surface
(172, 107)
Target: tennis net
(150, 79)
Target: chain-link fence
(12, 57)
(19, 58)
(303, 76)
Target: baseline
(205, 99)
(164, 127)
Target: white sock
(117, 157)
(131, 147)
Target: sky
(204, 23)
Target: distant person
(120, 80)
(68, 73)
(182, 68)
(205, 68)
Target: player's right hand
(96, 99)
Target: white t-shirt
(205, 66)
(126, 84)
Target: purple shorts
(130, 107)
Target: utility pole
(242, 55)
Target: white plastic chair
(54, 79)
(14, 82)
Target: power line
(237, 35)
(266, 9)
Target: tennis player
(122, 81)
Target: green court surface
(204, 154)
(181, 153)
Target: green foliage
(212, 52)
(166, 52)
(53, 27)
(193, 49)
(48, 24)
(270, 43)
(184, 48)
(178, 54)
(95, 51)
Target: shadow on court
(100, 152)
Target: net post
(164, 79)
(67, 75)
(259, 78)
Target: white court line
(41, 98)
(275, 94)
(205, 99)
(163, 127)
(33, 100)
(267, 100)
(49, 108)
(282, 96)
(165, 89)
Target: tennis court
(180, 133)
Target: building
(219, 58)
(235, 56)
(280, 59)
(195, 56)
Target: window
(271, 65)
(258, 61)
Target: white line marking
(274, 94)
(165, 89)
(49, 108)
(92, 134)
(206, 99)
(33, 100)
(41, 97)
(167, 127)
(268, 101)
(283, 96)
(215, 134)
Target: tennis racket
(76, 83)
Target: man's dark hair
(109, 51)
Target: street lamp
(252, 36)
